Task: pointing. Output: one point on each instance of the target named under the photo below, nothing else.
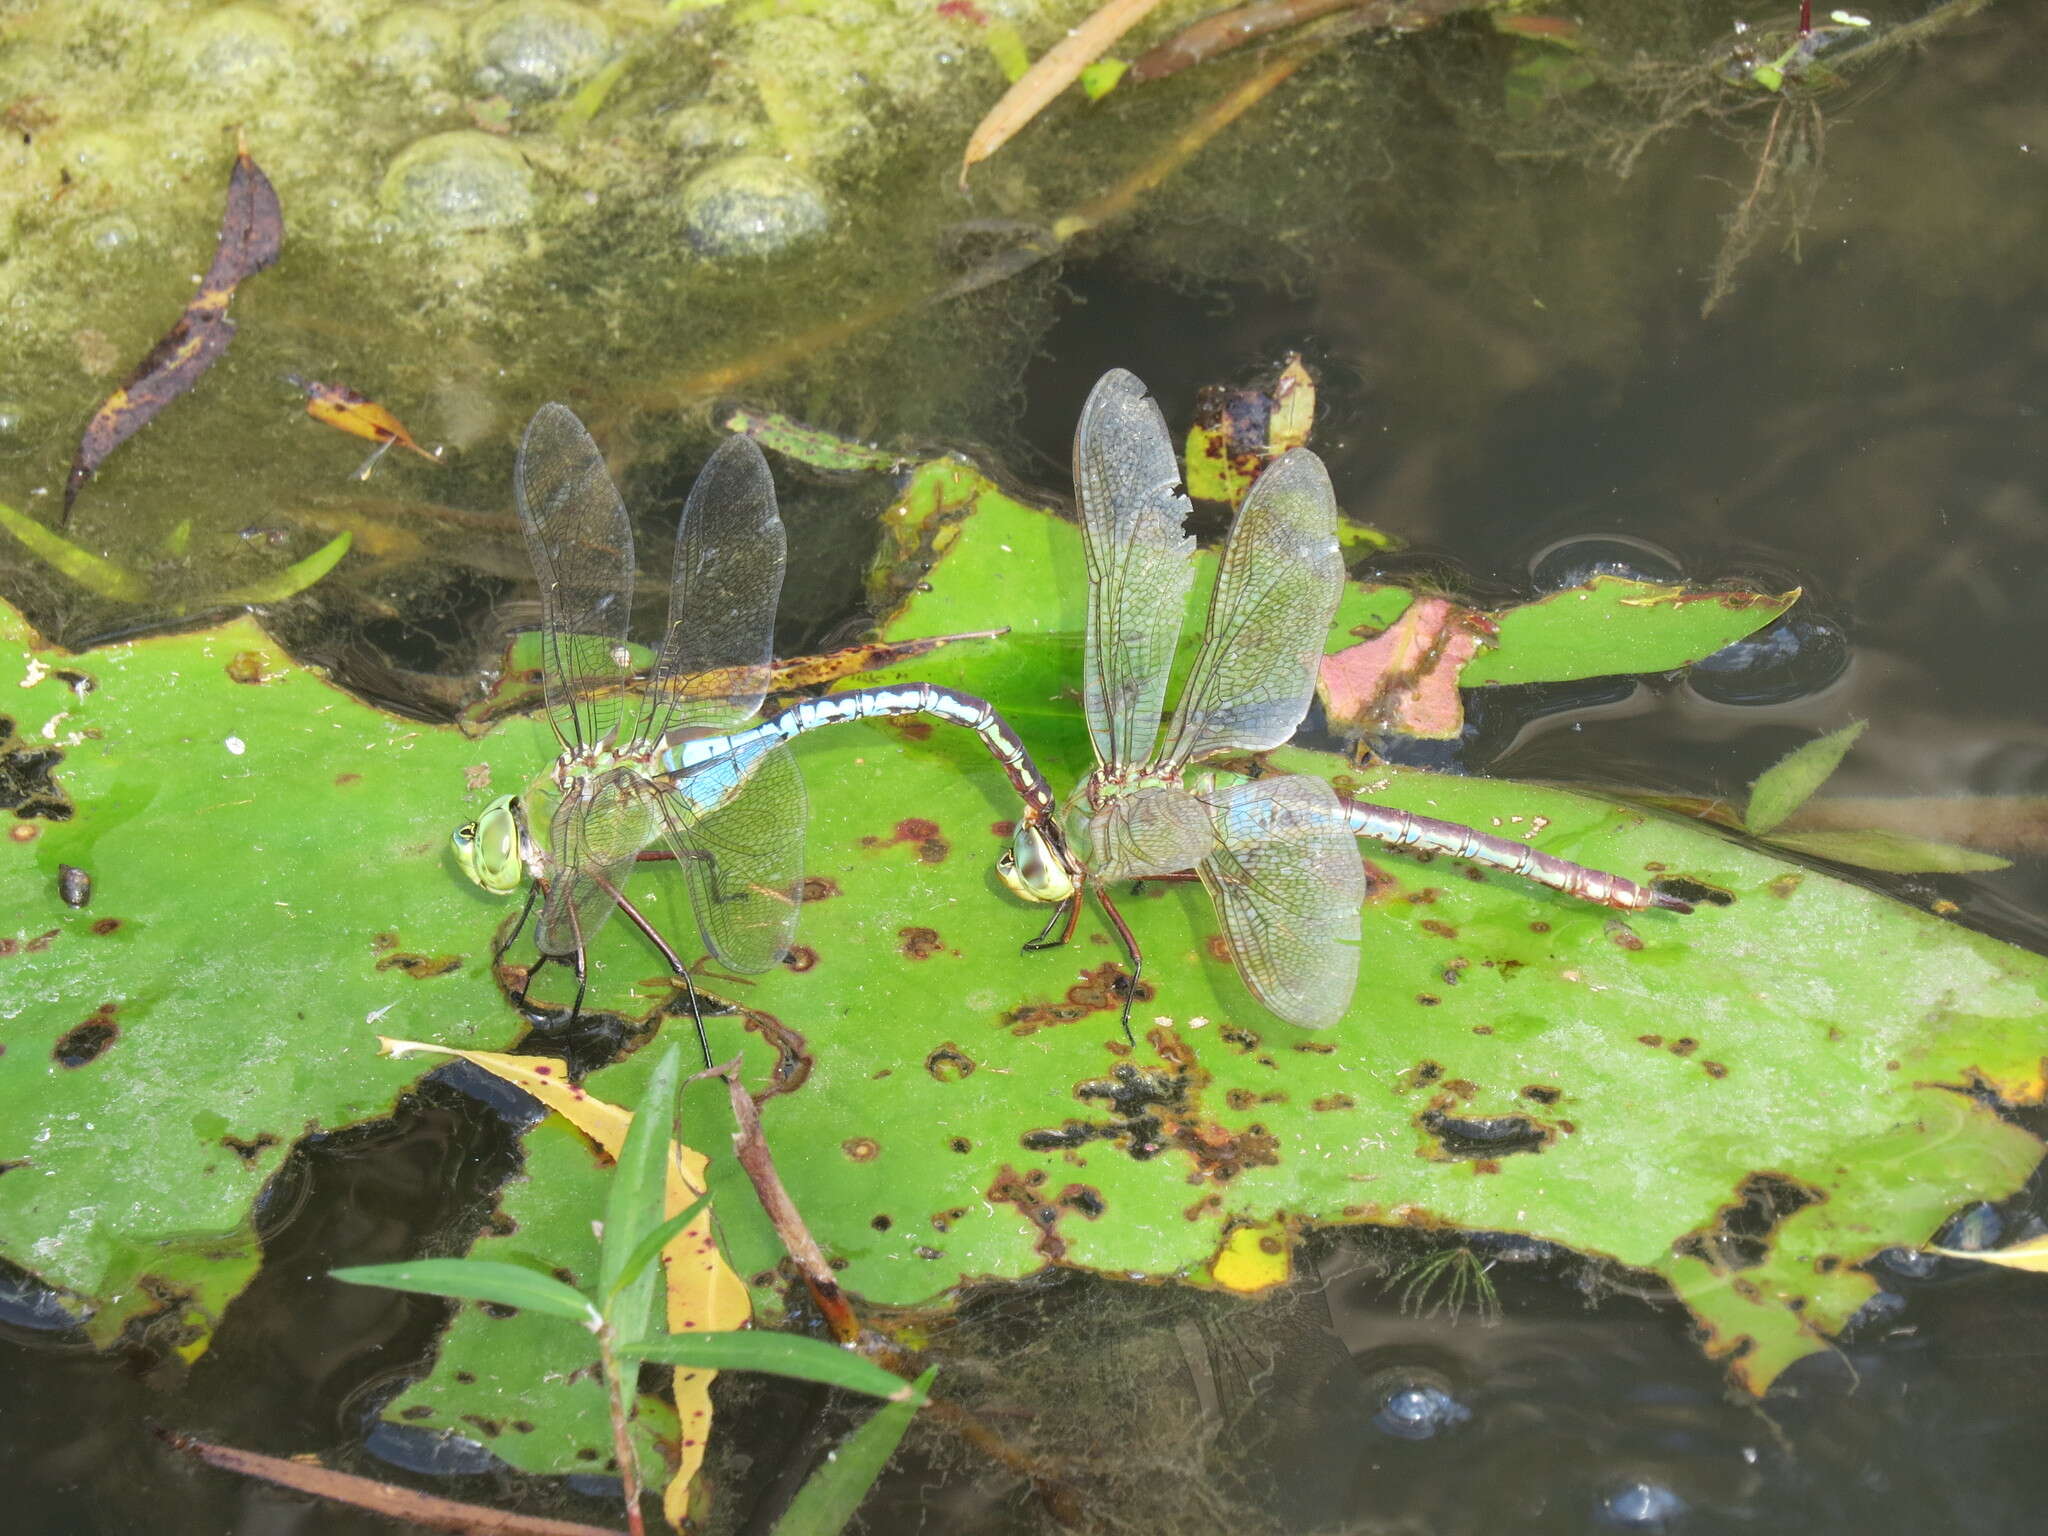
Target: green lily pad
(266, 878)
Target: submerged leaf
(1787, 784)
(1057, 68)
(81, 565)
(1892, 852)
(341, 407)
(251, 235)
(294, 578)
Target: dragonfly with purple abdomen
(681, 766)
(1278, 855)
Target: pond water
(1517, 381)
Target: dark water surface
(1518, 382)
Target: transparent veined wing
(582, 549)
(1281, 577)
(1288, 885)
(592, 840)
(737, 828)
(1146, 832)
(717, 652)
(1140, 564)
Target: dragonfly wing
(737, 827)
(719, 647)
(1288, 885)
(1146, 832)
(1278, 588)
(1140, 563)
(592, 840)
(582, 548)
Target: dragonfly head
(487, 849)
(1038, 867)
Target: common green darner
(680, 766)
(1278, 855)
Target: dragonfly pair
(1278, 855)
(682, 768)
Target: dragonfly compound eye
(487, 849)
(1034, 869)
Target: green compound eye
(487, 849)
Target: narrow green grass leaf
(779, 1354)
(831, 1494)
(1790, 782)
(633, 1208)
(509, 1285)
(643, 1255)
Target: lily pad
(266, 876)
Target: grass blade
(509, 1285)
(643, 1255)
(779, 1354)
(633, 1209)
(831, 1494)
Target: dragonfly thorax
(1139, 831)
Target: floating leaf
(1613, 624)
(507, 1285)
(833, 1493)
(1787, 784)
(251, 235)
(1237, 432)
(1405, 680)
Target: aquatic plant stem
(620, 1403)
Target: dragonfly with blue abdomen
(1278, 855)
(675, 762)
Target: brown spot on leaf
(1098, 991)
(818, 888)
(923, 835)
(249, 1151)
(1713, 1069)
(1003, 828)
(1218, 948)
(1539, 926)
(1482, 1029)
(86, 1041)
(420, 967)
(880, 1223)
(104, 926)
(1442, 930)
(1621, 936)
(949, 1063)
(862, 1149)
(1684, 1045)
(801, 958)
(1427, 999)
(919, 943)
(1315, 1047)
(246, 667)
(1655, 1042)
(1423, 1074)
(1331, 1101)
(1242, 1099)
(960, 1144)
(1472, 1138)
(343, 780)
(1542, 1093)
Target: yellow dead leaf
(2031, 1255)
(1254, 1259)
(703, 1294)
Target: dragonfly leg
(1123, 931)
(525, 912)
(1070, 910)
(675, 964)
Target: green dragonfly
(673, 762)
(1278, 855)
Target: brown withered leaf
(251, 235)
